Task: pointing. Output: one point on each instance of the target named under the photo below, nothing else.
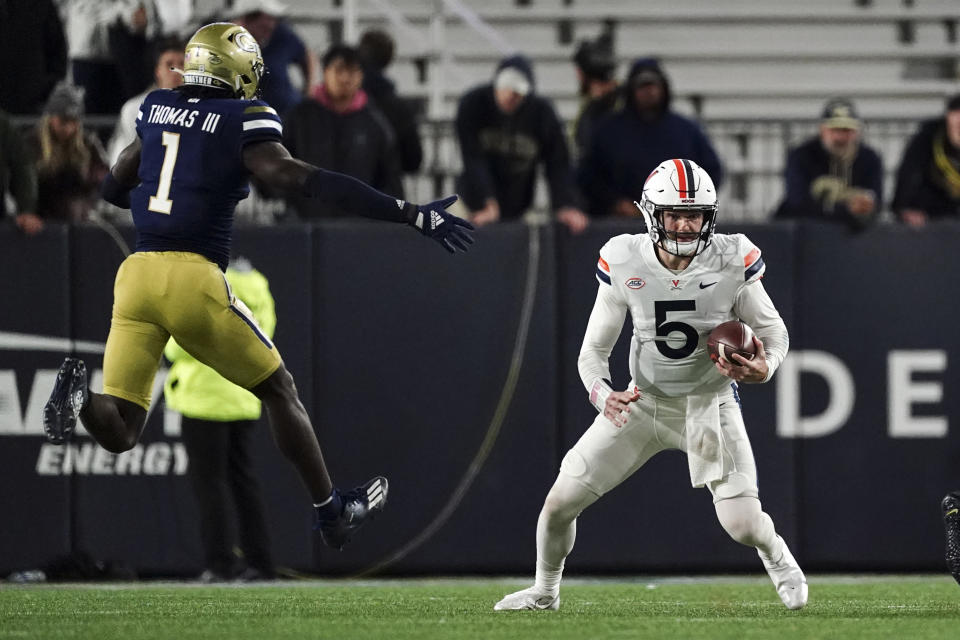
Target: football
(729, 338)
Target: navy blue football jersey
(191, 169)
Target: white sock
(548, 578)
(557, 530)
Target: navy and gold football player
(182, 177)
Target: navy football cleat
(951, 522)
(69, 395)
(360, 505)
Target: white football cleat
(528, 599)
(788, 578)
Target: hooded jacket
(501, 151)
(929, 175)
(627, 146)
(818, 184)
(358, 142)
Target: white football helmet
(679, 185)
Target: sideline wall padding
(400, 353)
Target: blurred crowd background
(845, 112)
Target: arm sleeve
(479, 183)
(603, 329)
(910, 174)
(556, 160)
(352, 195)
(23, 176)
(875, 177)
(754, 306)
(593, 175)
(797, 201)
(868, 175)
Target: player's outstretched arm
(272, 163)
(116, 185)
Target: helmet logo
(245, 42)
(215, 59)
(687, 186)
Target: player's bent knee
(120, 444)
(566, 500)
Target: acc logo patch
(635, 283)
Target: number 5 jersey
(674, 312)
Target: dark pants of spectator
(101, 84)
(133, 59)
(221, 472)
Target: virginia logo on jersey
(635, 283)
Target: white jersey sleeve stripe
(262, 124)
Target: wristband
(599, 393)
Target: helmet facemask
(679, 186)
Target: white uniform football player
(678, 281)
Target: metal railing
(753, 153)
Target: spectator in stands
(338, 129)
(630, 144)
(18, 178)
(376, 53)
(928, 181)
(833, 176)
(599, 90)
(505, 131)
(32, 35)
(219, 419)
(281, 47)
(167, 58)
(89, 27)
(69, 160)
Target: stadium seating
(756, 72)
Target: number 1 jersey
(192, 173)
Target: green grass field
(908, 607)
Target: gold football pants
(172, 293)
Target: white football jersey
(673, 313)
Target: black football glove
(436, 223)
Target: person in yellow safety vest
(217, 427)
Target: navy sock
(331, 508)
